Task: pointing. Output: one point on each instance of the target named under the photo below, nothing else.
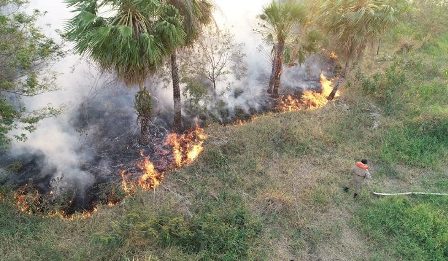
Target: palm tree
(352, 24)
(282, 25)
(129, 37)
(196, 14)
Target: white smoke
(63, 146)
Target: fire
(333, 56)
(186, 147)
(30, 202)
(150, 178)
(314, 100)
(289, 104)
(326, 85)
(27, 201)
(241, 122)
(77, 216)
(126, 184)
(309, 99)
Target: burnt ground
(108, 133)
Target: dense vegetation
(272, 189)
(24, 53)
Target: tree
(213, 58)
(282, 24)
(24, 54)
(352, 24)
(132, 39)
(214, 62)
(195, 13)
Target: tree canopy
(129, 37)
(352, 24)
(24, 53)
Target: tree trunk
(343, 75)
(144, 123)
(278, 69)
(274, 62)
(176, 93)
(215, 94)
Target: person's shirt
(362, 170)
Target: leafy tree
(353, 24)
(196, 93)
(131, 39)
(213, 58)
(25, 51)
(283, 24)
(195, 13)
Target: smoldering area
(76, 158)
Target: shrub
(386, 88)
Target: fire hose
(409, 193)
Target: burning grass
(173, 152)
(309, 100)
(185, 149)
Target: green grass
(409, 228)
(423, 143)
(218, 232)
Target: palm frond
(132, 42)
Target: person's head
(364, 161)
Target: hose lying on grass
(409, 193)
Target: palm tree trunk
(176, 93)
(278, 69)
(144, 122)
(343, 75)
(274, 62)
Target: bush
(386, 88)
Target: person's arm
(367, 174)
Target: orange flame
(309, 99)
(333, 56)
(27, 201)
(77, 216)
(187, 147)
(289, 104)
(150, 178)
(126, 184)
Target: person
(360, 172)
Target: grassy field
(272, 188)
